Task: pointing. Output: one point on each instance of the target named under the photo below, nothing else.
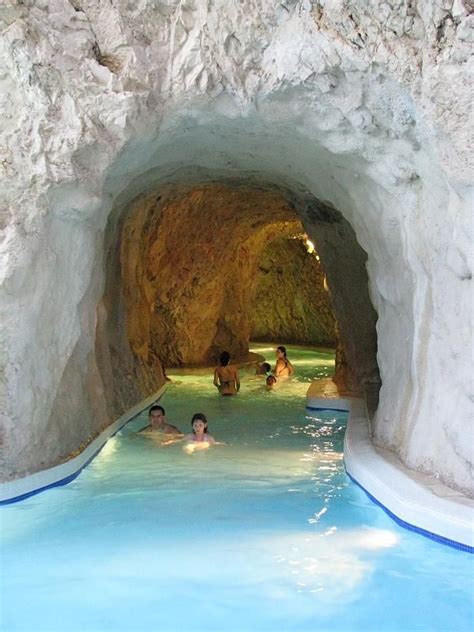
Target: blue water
(264, 533)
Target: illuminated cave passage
(109, 106)
(199, 269)
(291, 300)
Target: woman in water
(226, 376)
(199, 439)
(283, 367)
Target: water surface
(264, 533)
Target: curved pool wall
(21, 488)
(415, 501)
(423, 507)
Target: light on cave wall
(309, 246)
(310, 249)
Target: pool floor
(264, 533)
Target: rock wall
(184, 265)
(345, 266)
(290, 302)
(189, 258)
(360, 105)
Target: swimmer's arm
(216, 382)
(176, 438)
(237, 381)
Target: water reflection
(333, 562)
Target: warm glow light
(310, 247)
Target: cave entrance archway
(312, 101)
(352, 192)
(182, 266)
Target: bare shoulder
(170, 429)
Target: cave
(190, 122)
(186, 279)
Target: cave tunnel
(202, 194)
(202, 189)
(195, 269)
(165, 166)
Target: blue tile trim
(67, 479)
(410, 527)
(338, 410)
(60, 482)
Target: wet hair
(224, 358)
(283, 350)
(156, 407)
(271, 379)
(266, 366)
(199, 417)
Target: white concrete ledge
(21, 488)
(416, 501)
(422, 505)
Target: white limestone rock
(365, 104)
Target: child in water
(270, 382)
(199, 439)
(263, 369)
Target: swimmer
(226, 376)
(159, 426)
(263, 369)
(283, 367)
(199, 439)
(270, 382)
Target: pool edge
(409, 503)
(62, 474)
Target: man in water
(158, 423)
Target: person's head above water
(270, 381)
(199, 423)
(281, 352)
(263, 368)
(224, 358)
(156, 415)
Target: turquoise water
(264, 533)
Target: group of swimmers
(226, 379)
(226, 376)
